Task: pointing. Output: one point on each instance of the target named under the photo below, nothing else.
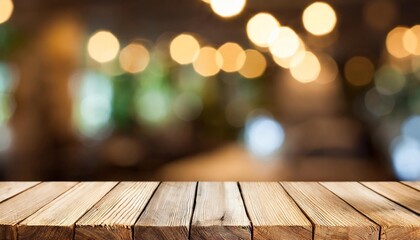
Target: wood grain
(219, 212)
(415, 185)
(56, 219)
(9, 189)
(116, 213)
(332, 217)
(169, 212)
(19, 207)
(396, 222)
(273, 213)
(397, 192)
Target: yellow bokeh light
(184, 49)
(259, 28)
(359, 71)
(255, 64)
(208, 62)
(287, 62)
(307, 69)
(284, 42)
(134, 58)
(103, 46)
(227, 8)
(329, 69)
(411, 40)
(6, 10)
(395, 42)
(233, 57)
(319, 18)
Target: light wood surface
(210, 210)
(116, 213)
(397, 192)
(56, 219)
(169, 212)
(219, 212)
(9, 189)
(332, 217)
(396, 222)
(273, 213)
(21, 206)
(415, 185)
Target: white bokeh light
(406, 159)
(263, 136)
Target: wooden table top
(210, 210)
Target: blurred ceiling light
(388, 10)
(227, 8)
(184, 49)
(411, 40)
(206, 1)
(187, 106)
(283, 42)
(329, 69)
(259, 28)
(208, 62)
(103, 46)
(395, 42)
(377, 104)
(287, 62)
(305, 67)
(233, 57)
(389, 80)
(359, 71)
(263, 136)
(255, 64)
(6, 10)
(319, 18)
(405, 158)
(134, 58)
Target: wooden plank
(219, 212)
(273, 213)
(397, 192)
(332, 217)
(114, 216)
(9, 189)
(56, 219)
(168, 213)
(16, 209)
(396, 222)
(415, 185)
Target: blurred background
(209, 90)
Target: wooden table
(210, 210)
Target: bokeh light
(319, 18)
(233, 57)
(329, 69)
(411, 128)
(378, 105)
(134, 58)
(405, 158)
(184, 49)
(395, 42)
(103, 46)
(153, 106)
(359, 71)
(411, 40)
(287, 62)
(227, 8)
(187, 106)
(389, 80)
(6, 10)
(255, 64)
(208, 62)
(388, 10)
(283, 42)
(263, 136)
(260, 27)
(305, 67)
(5, 138)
